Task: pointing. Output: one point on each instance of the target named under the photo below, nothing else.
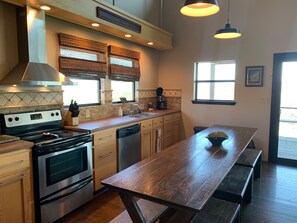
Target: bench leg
(247, 198)
(257, 169)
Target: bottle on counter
(120, 111)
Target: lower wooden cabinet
(157, 131)
(177, 125)
(104, 155)
(168, 139)
(16, 191)
(146, 138)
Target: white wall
(267, 27)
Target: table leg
(132, 208)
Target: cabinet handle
(105, 138)
(11, 164)
(5, 182)
(105, 155)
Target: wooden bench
(251, 158)
(214, 211)
(237, 185)
(150, 210)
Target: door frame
(278, 58)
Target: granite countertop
(101, 124)
(15, 145)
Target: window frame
(133, 92)
(89, 104)
(211, 101)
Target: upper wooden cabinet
(83, 13)
(16, 194)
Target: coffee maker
(161, 102)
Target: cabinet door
(146, 144)
(104, 155)
(15, 197)
(177, 127)
(157, 142)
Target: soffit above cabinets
(83, 12)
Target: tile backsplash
(14, 100)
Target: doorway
(283, 120)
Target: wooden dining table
(183, 176)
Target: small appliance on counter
(161, 102)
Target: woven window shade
(83, 68)
(124, 73)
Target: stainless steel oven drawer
(56, 209)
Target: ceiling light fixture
(95, 24)
(150, 43)
(199, 8)
(45, 7)
(128, 35)
(227, 32)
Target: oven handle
(49, 200)
(78, 144)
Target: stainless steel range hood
(32, 68)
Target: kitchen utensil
(75, 110)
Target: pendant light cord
(228, 12)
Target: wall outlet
(88, 113)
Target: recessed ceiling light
(150, 43)
(95, 24)
(128, 35)
(45, 7)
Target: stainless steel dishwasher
(128, 146)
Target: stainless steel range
(62, 162)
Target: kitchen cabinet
(172, 127)
(177, 124)
(168, 131)
(16, 192)
(157, 131)
(104, 155)
(146, 138)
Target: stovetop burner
(49, 137)
(41, 128)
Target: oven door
(58, 170)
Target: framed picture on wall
(254, 76)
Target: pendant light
(199, 8)
(227, 32)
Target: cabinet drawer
(104, 173)
(168, 119)
(14, 161)
(157, 122)
(176, 117)
(104, 136)
(146, 125)
(104, 154)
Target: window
(84, 92)
(124, 73)
(84, 62)
(122, 89)
(214, 82)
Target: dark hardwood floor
(274, 200)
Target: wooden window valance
(124, 72)
(81, 57)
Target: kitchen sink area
(144, 115)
